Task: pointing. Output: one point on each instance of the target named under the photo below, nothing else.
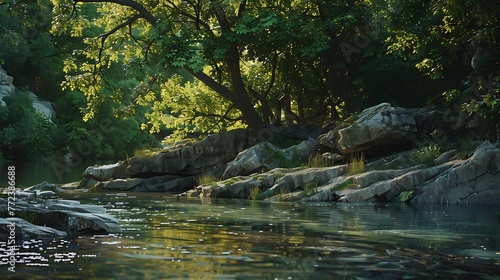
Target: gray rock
(45, 194)
(174, 169)
(25, 194)
(63, 215)
(44, 186)
(43, 107)
(25, 230)
(376, 127)
(104, 172)
(265, 156)
(194, 159)
(475, 180)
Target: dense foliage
(35, 59)
(201, 66)
(23, 132)
(311, 60)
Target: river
(165, 237)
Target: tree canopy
(260, 56)
(211, 65)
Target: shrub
(24, 134)
(277, 175)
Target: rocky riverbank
(383, 154)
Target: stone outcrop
(448, 181)
(57, 218)
(265, 156)
(376, 127)
(418, 175)
(173, 170)
(475, 180)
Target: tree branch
(143, 12)
(211, 83)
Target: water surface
(168, 238)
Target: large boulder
(451, 181)
(106, 172)
(375, 128)
(271, 183)
(265, 156)
(165, 183)
(203, 156)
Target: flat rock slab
(59, 218)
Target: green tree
(260, 56)
(28, 52)
(456, 42)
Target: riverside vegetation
(239, 75)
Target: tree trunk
(240, 100)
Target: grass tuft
(207, 179)
(318, 161)
(282, 195)
(254, 193)
(356, 164)
(311, 188)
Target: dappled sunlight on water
(168, 238)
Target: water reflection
(167, 238)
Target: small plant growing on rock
(254, 193)
(282, 195)
(318, 161)
(356, 164)
(278, 175)
(406, 196)
(310, 188)
(347, 184)
(425, 155)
